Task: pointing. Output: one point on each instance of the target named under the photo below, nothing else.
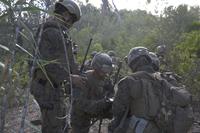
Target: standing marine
(56, 70)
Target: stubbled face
(100, 74)
(68, 19)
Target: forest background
(111, 29)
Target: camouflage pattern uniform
(91, 102)
(161, 52)
(112, 54)
(129, 100)
(47, 85)
(171, 77)
(51, 95)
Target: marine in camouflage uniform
(92, 101)
(129, 107)
(115, 59)
(48, 83)
(171, 77)
(161, 52)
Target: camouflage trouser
(78, 128)
(80, 123)
(51, 119)
(52, 104)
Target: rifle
(117, 73)
(86, 53)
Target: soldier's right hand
(107, 108)
(110, 99)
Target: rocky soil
(13, 119)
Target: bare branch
(116, 11)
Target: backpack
(167, 105)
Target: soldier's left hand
(78, 81)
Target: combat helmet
(102, 62)
(136, 52)
(161, 49)
(71, 6)
(111, 53)
(93, 53)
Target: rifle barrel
(86, 53)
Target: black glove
(106, 111)
(100, 107)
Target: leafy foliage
(186, 60)
(177, 28)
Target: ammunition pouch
(37, 84)
(45, 93)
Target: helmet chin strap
(63, 21)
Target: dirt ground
(13, 119)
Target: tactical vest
(53, 68)
(58, 56)
(44, 50)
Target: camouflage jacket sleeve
(122, 97)
(51, 49)
(120, 104)
(94, 108)
(128, 90)
(109, 88)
